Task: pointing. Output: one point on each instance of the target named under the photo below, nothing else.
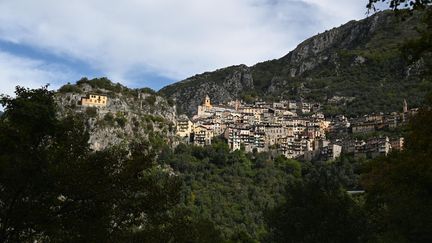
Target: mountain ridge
(360, 63)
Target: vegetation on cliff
(127, 114)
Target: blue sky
(152, 43)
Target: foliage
(316, 213)
(364, 61)
(109, 118)
(317, 208)
(249, 96)
(395, 4)
(151, 100)
(54, 189)
(147, 90)
(170, 102)
(101, 83)
(91, 112)
(120, 119)
(69, 88)
(400, 183)
(388, 132)
(151, 118)
(231, 189)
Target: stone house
(94, 100)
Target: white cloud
(169, 37)
(29, 73)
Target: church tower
(237, 105)
(405, 106)
(207, 102)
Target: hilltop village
(296, 129)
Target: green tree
(396, 4)
(53, 188)
(316, 213)
(399, 186)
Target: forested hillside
(55, 188)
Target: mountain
(354, 69)
(129, 114)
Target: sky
(152, 43)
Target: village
(296, 129)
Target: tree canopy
(54, 188)
(397, 4)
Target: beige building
(202, 135)
(207, 110)
(238, 137)
(273, 133)
(333, 151)
(293, 147)
(184, 127)
(94, 100)
(397, 143)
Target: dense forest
(54, 188)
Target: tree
(317, 208)
(53, 188)
(313, 213)
(26, 129)
(399, 186)
(396, 4)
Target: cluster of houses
(296, 129)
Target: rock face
(223, 84)
(361, 59)
(130, 115)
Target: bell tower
(207, 102)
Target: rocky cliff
(356, 68)
(129, 115)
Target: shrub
(147, 90)
(121, 119)
(151, 100)
(69, 88)
(91, 111)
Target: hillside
(354, 69)
(130, 114)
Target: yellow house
(203, 135)
(184, 127)
(94, 100)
